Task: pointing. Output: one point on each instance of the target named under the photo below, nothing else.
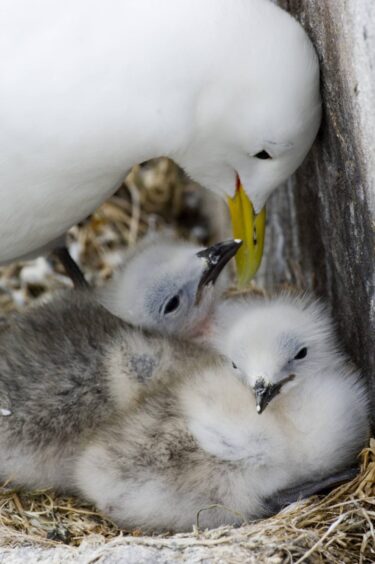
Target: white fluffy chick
(169, 286)
(282, 347)
(200, 443)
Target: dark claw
(285, 497)
(71, 268)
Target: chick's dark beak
(216, 257)
(264, 393)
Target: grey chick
(201, 444)
(169, 286)
(65, 368)
(67, 365)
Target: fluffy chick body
(66, 367)
(200, 443)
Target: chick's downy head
(168, 286)
(276, 344)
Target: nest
(155, 196)
(336, 528)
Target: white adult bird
(169, 286)
(228, 90)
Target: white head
(258, 109)
(169, 286)
(276, 344)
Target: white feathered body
(90, 88)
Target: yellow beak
(249, 227)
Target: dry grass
(336, 528)
(153, 197)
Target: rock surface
(322, 221)
(216, 547)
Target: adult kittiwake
(227, 89)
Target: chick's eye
(301, 354)
(172, 305)
(263, 155)
(234, 366)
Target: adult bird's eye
(263, 155)
(172, 305)
(301, 354)
(234, 366)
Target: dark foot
(71, 267)
(285, 497)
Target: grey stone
(216, 547)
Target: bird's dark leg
(285, 497)
(71, 267)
